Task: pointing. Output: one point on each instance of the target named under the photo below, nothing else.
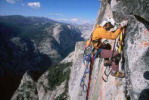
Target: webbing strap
(120, 42)
(117, 73)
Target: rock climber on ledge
(102, 31)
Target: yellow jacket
(102, 33)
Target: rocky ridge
(31, 44)
(135, 85)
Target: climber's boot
(107, 63)
(118, 74)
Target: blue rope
(98, 51)
(82, 83)
(87, 59)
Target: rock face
(27, 89)
(86, 30)
(135, 85)
(52, 85)
(99, 90)
(77, 71)
(136, 45)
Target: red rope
(90, 77)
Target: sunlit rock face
(136, 52)
(136, 45)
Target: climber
(102, 31)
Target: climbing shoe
(118, 74)
(107, 63)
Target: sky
(67, 10)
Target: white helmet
(111, 20)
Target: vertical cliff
(135, 85)
(99, 90)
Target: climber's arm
(111, 35)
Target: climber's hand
(124, 23)
(88, 43)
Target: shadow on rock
(144, 95)
(146, 75)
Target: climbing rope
(88, 60)
(90, 74)
(90, 71)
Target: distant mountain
(32, 44)
(84, 26)
(37, 35)
(85, 29)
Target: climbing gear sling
(88, 60)
(120, 43)
(120, 46)
(82, 83)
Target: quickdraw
(107, 73)
(86, 61)
(82, 83)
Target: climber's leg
(115, 61)
(106, 54)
